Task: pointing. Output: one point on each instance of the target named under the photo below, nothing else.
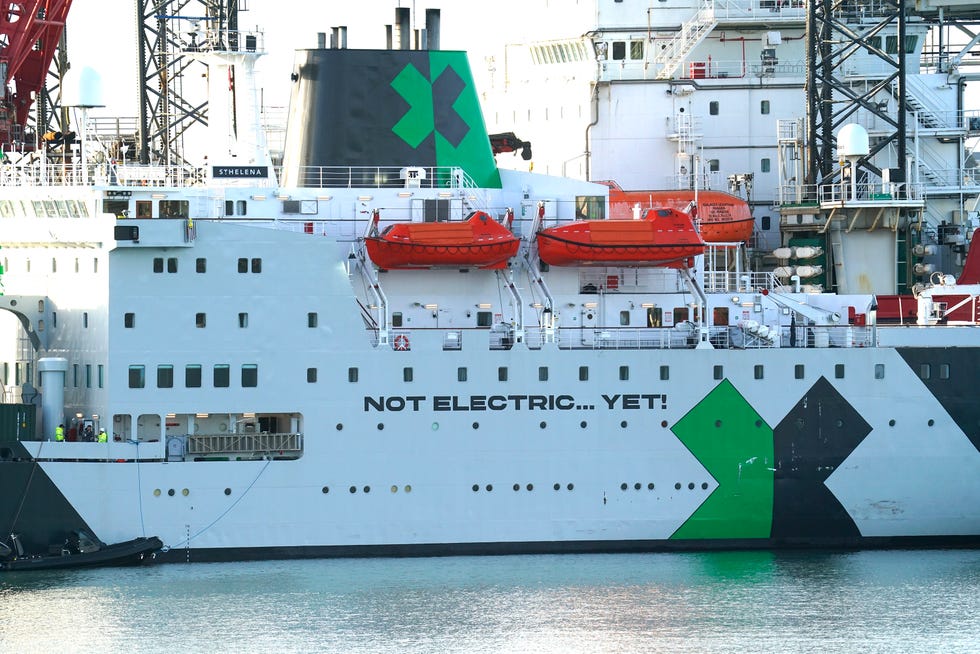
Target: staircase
(691, 34)
(918, 101)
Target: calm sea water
(893, 601)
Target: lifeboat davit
(477, 242)
(664, 237)
(722, 217)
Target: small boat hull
(478, 242)
(138, 551)
(664, 238)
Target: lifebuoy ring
(401, 342)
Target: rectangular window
(242, 265)
(129, 320)
(619, 50)
(583, 373)
(202, 265)
(767, 223)
(137, 376)
(250, 375)
(408, 374)
(664, 373)
(192, 376)
(655, 317)
(764, 107)
(798, 371)
(765, 165)
(396, 319)
(222, 375)
(681, 314)
(229, 207)
(158, 264)
(88, 376)
(311, 319)
(839, 371)
(200, 320)
(879, 371)
(719, 372)
(502, 373)
(74, 375)
(925, 371)
(175, 209)
(85, 319)
(484, 318)
(713, 108)
(171, 264)
(256, 265)
(461, 374)
(311, 375)
(624, 318)
(636, 49)
(165, 376)
(944, 371)
(242, 207)
(352, 375)
(759, 372)
(243, 320)
(714, 165)
(624, 373)
(543, 373)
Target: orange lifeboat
(665, 237)
(479, 241)
(722, 217)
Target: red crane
(29, 35)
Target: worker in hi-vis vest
(103, 437)
(59, 433)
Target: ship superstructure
(269, 389)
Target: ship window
(144, 209)
(764, 107)
(175, 209)
(200, 320)
(891, 44)
(88, 376)
(257, 265)
(583, 373)
(137, 376)
(543, 373)
(158, 264)
(879, 371)
(242, 265)
(664, 373)
(85, 319)
(129, 320)
(655, 317)
(680, 314)
(944, 371)
(311, 319)
(624, 317)
(118, 208)
(243, 320)
(396, 319)
(765, 165)
(202, 265)
(925, 371)
(250, 375)
(461, 374)
(484, 318)
(874, 42)
(229, 207)
(636, 49)
(171, 264)
(222, 375)
(408, 374)
(714, 165)
(624, 373)
(502, 373)
(619, 50)
(713, 108)
(165, 376)
(311, 375)
(192, 376)
(719, 372)
(352, 375)
(798, 371)
(767, 222)
(590, 207)
(74, 375)
(719, 316)
(839, 371)
(759, 371)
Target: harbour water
(828, 602)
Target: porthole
(637, 486)
(156, 492)
(476, 487)
(353, 489)
(704, 485)
(650, 486)
(570, 487)
(663, 423)
(530, 487)
(185, 492)
(435, 426)
(717, 423)
(931, 422)
(839, 423)
(476, 425)
(394, 489)
(690, 486)
(381, 426)
(228, 490)
(891, 423)
(758, 423)
(543, 424)
(408, 488)
(340, 426)
(324, 490)
(622, 486)
(171, 492)
(677, 486)
(623, 424)
(583, 424)
(489, 487)
(557, 486)
(367, 489)
(517, 487)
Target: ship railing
(201, 38)
(53, 173)
(263, 443)
(618, 338)
(432, 177)
(728, 281)
(813, 194)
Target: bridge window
(137, 376)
